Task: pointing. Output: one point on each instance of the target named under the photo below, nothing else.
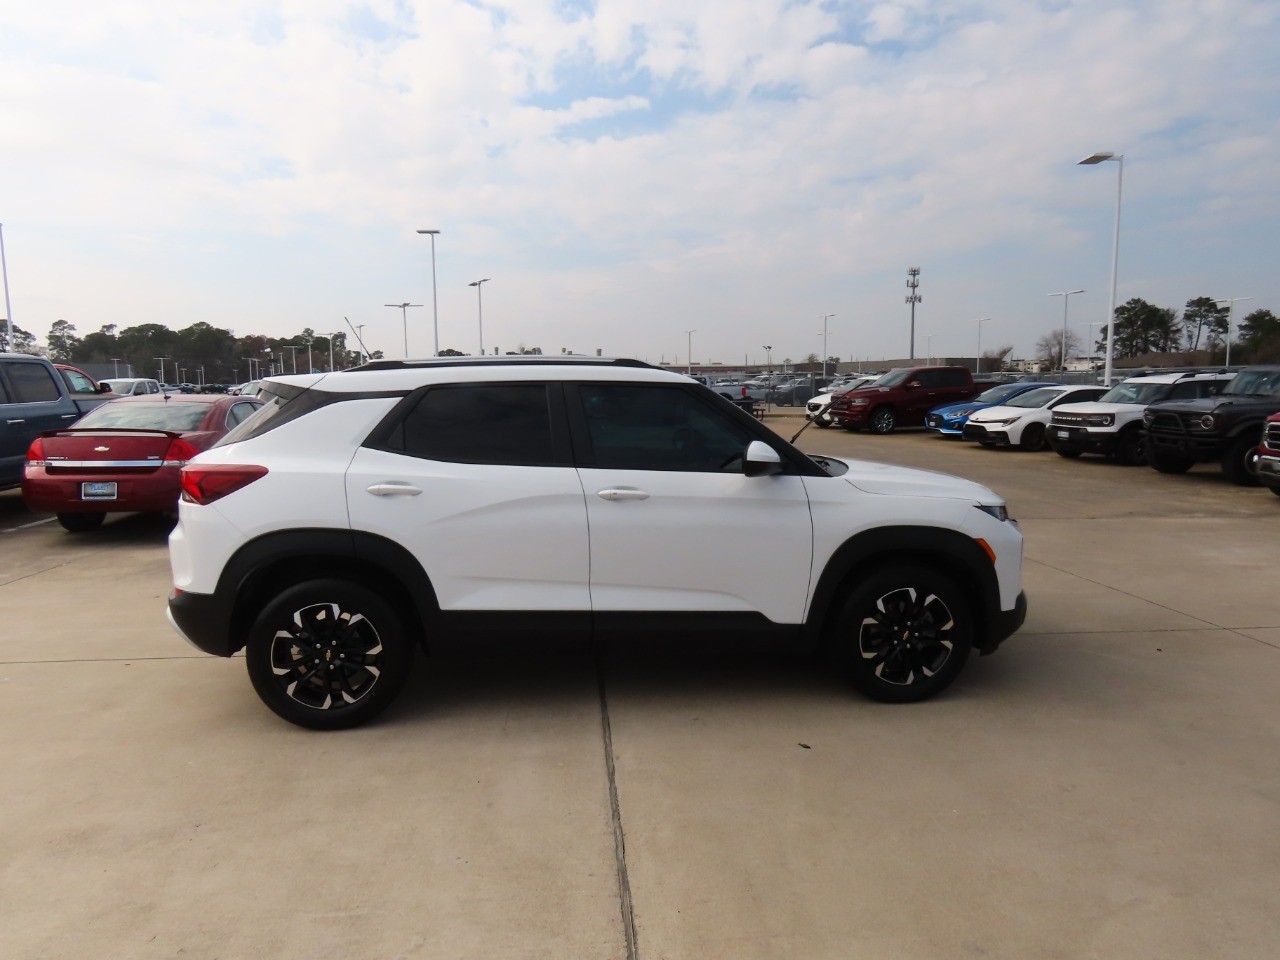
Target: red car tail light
(179, 452)
(205, 484)
(35, 453)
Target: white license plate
(1063, 434)
(98, 490)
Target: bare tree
(1049, 348)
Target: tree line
(200, 353)
(1143, 328)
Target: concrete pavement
(1105, 785)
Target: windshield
(146, 416)
(1035, 398)
(1255, 383)
(1132, 392)
(998, 394)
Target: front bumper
(976, 431)
(1004, 625)
(1185, 445)
(1082, 440)
(1268, 469)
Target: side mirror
(914, 385)
(761, 460)
(104, 388)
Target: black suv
(1225, 428)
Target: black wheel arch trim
(954, 553)
(218, 623)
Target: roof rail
(515, 360)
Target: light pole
(310, 368)
(1089, 332)
(115, 371)
(1231, 306)
(825, 352)
(1091, 160)
(913, 283)
(360, 339)
(293, 354)
(977, 365)
(404, 318)
(768, 359)
(1066, 297)
(162, 360)
(689, 359)
(479, 309)
(8, 311)
(435, 311)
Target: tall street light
(479, 309)
(293, 354)
(1091, 160)
(1088, 327)
(689, 358)
(162, 360)
(1066, 297)
(768, 358)
(435, 310)
(1231, 306)
(404, 317)
(825, 352)
(977, 366)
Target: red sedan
(125, 455)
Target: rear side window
(479, 423)
(4, 393)
(953, 378)
(280, 404)
(32, 383)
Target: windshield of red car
(146, 416)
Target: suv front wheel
(328, 654)
(904, 634)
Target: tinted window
(32, 383)
(1000, 394)
(146, 416)
(240, 412)
(479, 423)
(654, 427)
(952, 378)
(4, 393)
(78, 382)
(1035, 398)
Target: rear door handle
(622, 493)
(393, 490)
(13, 422)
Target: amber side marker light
(986, 548)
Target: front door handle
(622, 493)
(14, 422)
(393, 490)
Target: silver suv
(361, 515)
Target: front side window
(32, 383)
(1035, 398)
(479, 423)
(655, 427)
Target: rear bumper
(158, 490)
(202, 621)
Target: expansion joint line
(615, 810)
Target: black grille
(1166, 423)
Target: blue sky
(627, 172)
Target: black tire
(1068, 454)
(1167, 464)
(822, 424)
(883, 420)
(903, 634)
(1033, 437)
(359, 660)
(1275, 490)
(1131, 448)
(1237, 462)
(81, 522)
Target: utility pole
(824, 343)
(913, 283)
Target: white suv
(361, 514)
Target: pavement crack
(615, 810)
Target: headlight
(1100, 420)
(960, 413)
(1005, 422)
(1148, 418)
(1001, 512)
(860, 402)
(1207, 422)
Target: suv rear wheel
(328, 654)
(904, 634)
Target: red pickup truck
(901, 398)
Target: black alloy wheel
(1033, 437)
(904, 634)
(81, 522)
(1131, 448)
(328, 654)
(1237, 463)
(883, 420)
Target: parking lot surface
(1105, 785)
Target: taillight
(35, 453)
(205, 484)
(179, 452)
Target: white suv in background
(361, 514)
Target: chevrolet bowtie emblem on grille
(101, 449)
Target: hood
(890, 480)
(951, 409)
(1221, 402)
(987, 414)
(1093, 406)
